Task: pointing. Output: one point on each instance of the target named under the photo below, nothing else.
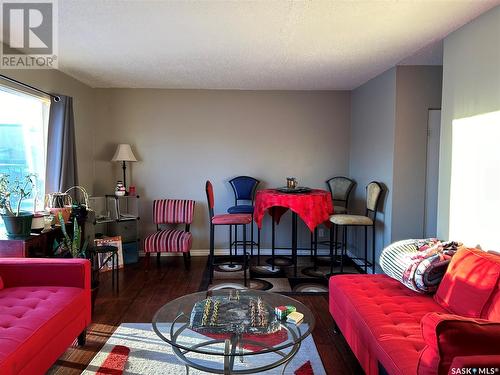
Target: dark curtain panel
(61, 171)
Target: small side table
(113, 257)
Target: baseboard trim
(281, 252)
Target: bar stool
(244, 188)
(225, 219)
(373, 193)
(340, 188)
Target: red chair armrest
(448, 336)
(45, 272)
(490, 364)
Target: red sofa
(392, 329)
(44, 306)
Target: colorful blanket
(418, 264)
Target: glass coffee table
(232, 332)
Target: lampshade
(124, 153)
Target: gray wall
(418, 88)
(388, 144)
(84, 107)
(373, 121)
(471, 86)
(183, 137)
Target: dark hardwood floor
(143, 293)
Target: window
(475, 181)
(23, 139)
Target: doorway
(432, 173)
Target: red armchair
(44, 305)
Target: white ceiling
(282, 45)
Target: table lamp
(124, 153)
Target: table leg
(294, 243)
(112, 271)
(258, 246)
(273, 230)
(117, 273)
(227, 357)
(315, 248)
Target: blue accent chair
(244, 188)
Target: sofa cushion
(469, 283)
(29, 316)
(386, 314)
(448, 336)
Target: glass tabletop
(188, 325)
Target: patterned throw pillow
(418, 264)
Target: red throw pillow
(448, 336)
(469, 282)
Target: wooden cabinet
(34, 246)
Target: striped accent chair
(170, 240)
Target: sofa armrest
(45, 272)
(448, 336)
(491, 362)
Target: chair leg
(235, 241)
(373, 248)
(211, 256)
(186, 257)
(158, 259)
(148, 261)
(366, 249)
(230, 242)
(251, 238)
(344, 248)
(82, 338)
(245, 255)
(332, 240)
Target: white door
(432, 173)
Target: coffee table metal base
(231, 348)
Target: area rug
(134, 348)
(280, 278)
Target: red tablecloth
(314, 208)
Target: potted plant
(70, 247)
(17, 222)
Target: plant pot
(18, 226)
(66, 213)
(38, 222)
